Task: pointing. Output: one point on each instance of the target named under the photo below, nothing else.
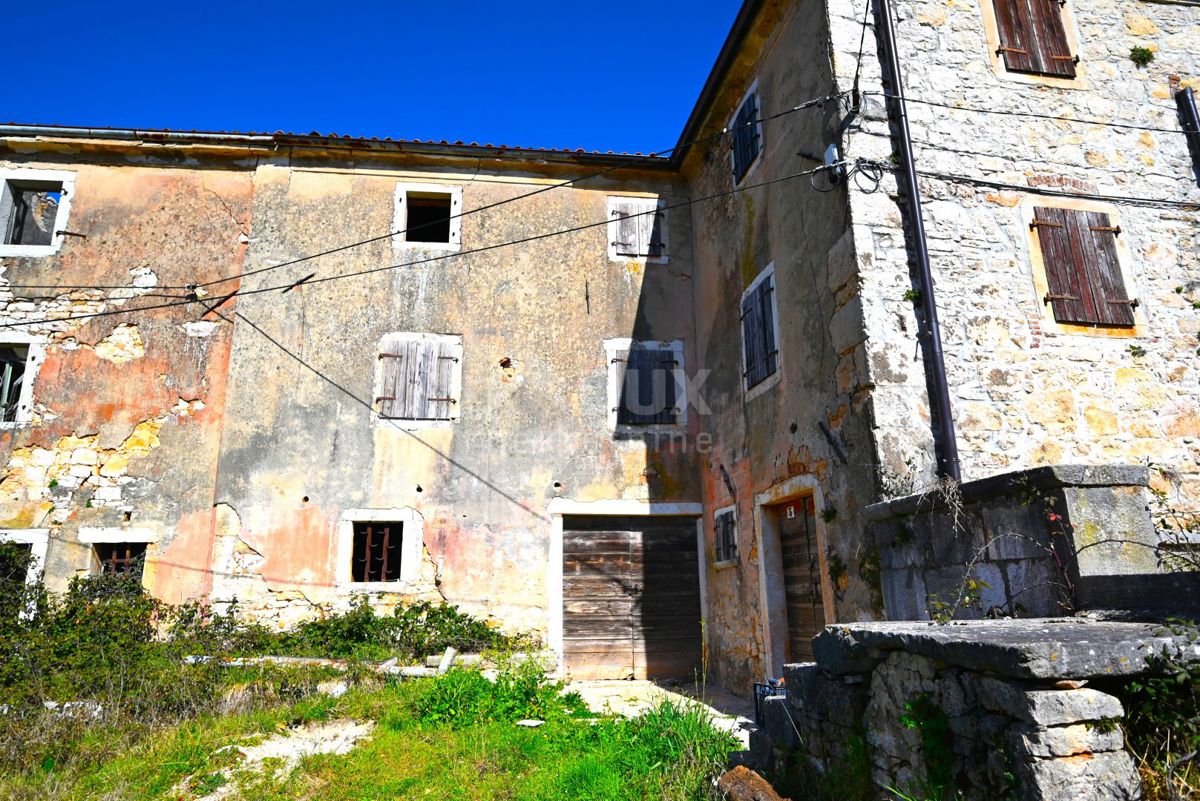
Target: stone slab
(1036, 648)
(1050, 477)
(1044, 708)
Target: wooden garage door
(631, 597)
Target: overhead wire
(1032, 114)
(630, 162)
(241, 292)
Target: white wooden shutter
(442, 400)
(628, 230)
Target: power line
(1084, 120)
(634, 160)
(439, 257)
(1134, 200)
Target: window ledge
(726, 563)
(400, 585)
(763, 386)
(28, 251)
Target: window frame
(411, 544)
(38, 540)
(400, 240)
(36, 176)
(616, 382)
(751, 392)
(456, 345)
(731, 125)
(991, 31)
(1041, 282)
(34, 357)
(647, 203)
(721, 560)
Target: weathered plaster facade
(240, 437)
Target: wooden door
(631, 597)
(801, 576)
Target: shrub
(465, 696)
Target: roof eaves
(725, 59)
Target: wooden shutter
(417, 378)
(441, 404)
(766, 291)
(1079, 253)
(628, 228)
(745, 137)
(654, 232)
(752, 340)
(726, 537)
(1033, 37)
(648, 393)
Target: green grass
(670, 753)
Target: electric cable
(631, 161)
(216, 301)
(1033, 114)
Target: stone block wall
(1029, 543)
(987, 709)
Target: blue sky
(620, 75)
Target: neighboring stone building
(664, 392)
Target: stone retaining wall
(991, 709)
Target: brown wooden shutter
(1033, 38)
(1079, 252)
(1098, 254)
(1067, 297)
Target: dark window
(1033, 38)
(14, 562)
(428, 217)
(1079, 250)
(417, 378)
(726, 536)
(649, 395)
(376, 551)
(29, 212)
(746, 142)
(121, 558)
(758, 332)
(13, 359)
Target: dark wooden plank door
(631, 597)
(801, 577)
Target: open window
(23, 554)
(760, 332)
(428, 216)
(646, 385)
(20, 357)
(637, 229)
(418, 378)
(1078, 267)
(747, 134)
(34, 205)
(378, 550)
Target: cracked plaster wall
(126, 409)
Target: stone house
(603, 397)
